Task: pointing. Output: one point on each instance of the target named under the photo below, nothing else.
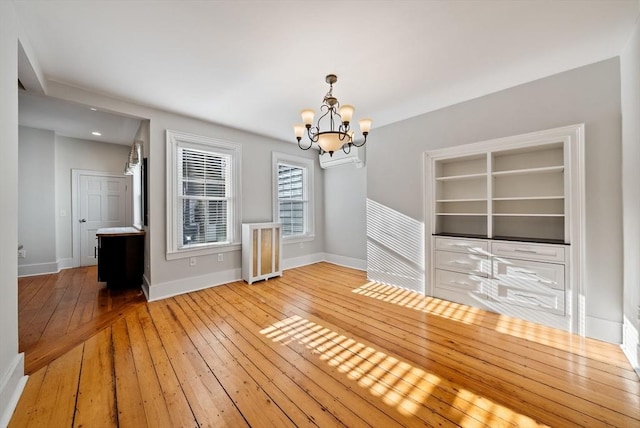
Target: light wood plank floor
(56, 312)
(322, 346)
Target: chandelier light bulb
(346, 111)
(298, 129)
(307, 117)
(365, 126)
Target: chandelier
(333, 139)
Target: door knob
(83, 220)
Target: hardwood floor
(57, 312)
(322, 346)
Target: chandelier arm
(329, 111)
(312, 133)
(363, 141)
(344, 148)
(304, 148)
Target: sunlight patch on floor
(465, 314)
(397, 383)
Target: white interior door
(102, 203)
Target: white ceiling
(75, 120)
(254, 64)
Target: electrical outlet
(192, 261)
(22, 254)
(221, 257)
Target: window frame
(176, 140)
(308, 166)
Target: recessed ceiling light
(96, 133)
(93, 109)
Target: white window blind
(204, 192)
(292, 200)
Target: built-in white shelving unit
(506, 223)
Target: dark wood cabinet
(120, 256)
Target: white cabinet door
(459, 282)
(462, 245)
(531, 251)
(464, 263)
(529, 284)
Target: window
(293, 196)
(203, 201)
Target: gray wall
(256, 190)
(73, 153)
(589, 95)
(345, 211)
(36, 201)
(630, 85)
(11, 363)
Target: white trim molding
(349, 262)
(174, 141)
(37, 269)
(308, 167)
(605, 330)
(181, 286)
(309, 259)
(11, 386)
(75, 204)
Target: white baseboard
(145, 286)
(66, 264)
(45, 268)
(605, 330)
(187, 285)
(37, 269)
(308, 259)
(11, 386)
(349, 262)
(631, 344)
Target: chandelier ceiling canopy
(339, 135)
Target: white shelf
(526, 215)
(464, 214)
(529, 198)
(463, 200)
(517, 191)
(526, 171)
(462, 177)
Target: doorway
(99, 200)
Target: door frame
(75, 205)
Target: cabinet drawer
(462, 245)
(528, 274)
(528, 295)
(464, 263)
(460, 282)
(521, 250)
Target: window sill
(193, 252)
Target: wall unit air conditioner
(355, 157)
